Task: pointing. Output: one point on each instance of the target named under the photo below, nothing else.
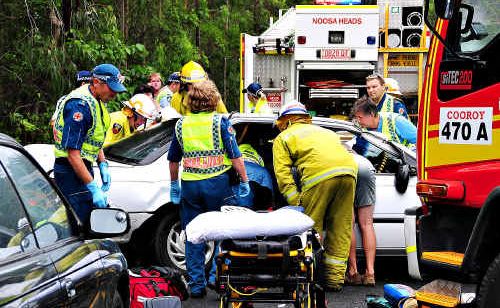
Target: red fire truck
(456, 233)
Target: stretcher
(277, 269)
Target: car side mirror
(109, 222)
(402, 177)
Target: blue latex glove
(98, 197)
(175, 192)
(244, 189)
(105, 176)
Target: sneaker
(368, 280)
(353, 280)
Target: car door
(27, 274)
(77, 263)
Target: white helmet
(143, 105)
(392, 86)
(293, 107)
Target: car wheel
(169, 244)
(489, 295)
(117, 300)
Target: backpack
(155, 281)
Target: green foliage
(39, 57)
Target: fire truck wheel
(489, 291)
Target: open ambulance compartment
(330, 89)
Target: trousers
(198, 197)
(75, 191)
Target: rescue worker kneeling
(206, 143)
(125, 122)
(327, 176)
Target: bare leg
(365, 220)
(353, 267)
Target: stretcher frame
(252, 274)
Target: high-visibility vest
(389, 128)
(250, 154)
(204, 155)
(261, 107)
(317, 153)
(96, 134)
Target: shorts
(365, 184)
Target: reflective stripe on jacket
(316, 152)
(389, 128)
(204, 156)
(96, 135)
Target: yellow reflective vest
(180, 103)
(261, 107)
(250, 154)
(389, 128)
(97, 132)
(200, 138)
(316, 152)
(118, 129)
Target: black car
(47, 257)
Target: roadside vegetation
(44, 43)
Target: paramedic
(376, 89)
(191, 73)
(165, 95)
(205, 142)
(79, 133)
(327, 174)
(394, 126)
(82, 77)
(257, 99)
(134, 113)
(261, 182)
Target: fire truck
(321, 54)
(455, 234)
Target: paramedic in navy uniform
(205, 142)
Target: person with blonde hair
(205, 142)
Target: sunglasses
(120, 78)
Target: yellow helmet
(193, 72)
(142, 105)
(392, 86)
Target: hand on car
(105, 176)
(98, 197)
(175, 192)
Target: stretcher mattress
(243, 223)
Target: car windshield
(144, 147)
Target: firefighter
(191, 73)
(79, 133)
(134, 113)
(327, 176)
(394, 126)
(376, 89)
(205, 142)
(173, 85)
(257, 99)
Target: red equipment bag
(155, 281)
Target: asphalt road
(388, 270)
